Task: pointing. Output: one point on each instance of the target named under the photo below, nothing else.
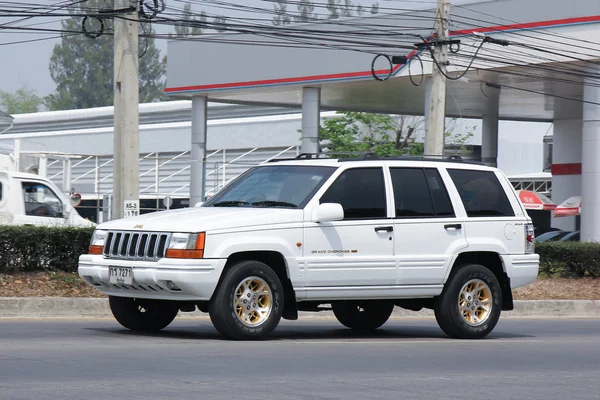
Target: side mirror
(328, 212)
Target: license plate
(120, 275)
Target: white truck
(358, 235)
(29, 199)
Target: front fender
(287, 242)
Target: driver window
(361, 192)
(40, 201)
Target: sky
(26, 64)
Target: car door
(39, 205)
(358, 250)
(493, 222)
(427, 231)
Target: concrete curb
(70, 307)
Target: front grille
(140, 246)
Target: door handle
(384, 228)
(453, 226)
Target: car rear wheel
(143, 314)
(470, 304)
(362, 316)
(248, 303)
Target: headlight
(183, 241)
(186, 245)
(97, 242)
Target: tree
(375, 8)
(188, 25)
(345, 8)
(281, 15)
(356, 132)
(383, 134)
(336, 8)
(220, 23)
(333, 8)
(21, 102)
(306, 12)
(82, 68)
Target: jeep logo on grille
(139, 226)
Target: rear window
(481, 193)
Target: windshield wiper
(274, 203)
(231, 203)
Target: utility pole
(126, 111)
(434, 137)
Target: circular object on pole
(410, 73)
(75, 199)
(149, 11)
(168, 201)
(373, 67)
(92, 34)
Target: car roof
(21, 175)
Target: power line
(56, 6)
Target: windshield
(290, 186)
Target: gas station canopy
(541, 73)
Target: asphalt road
(310, 359)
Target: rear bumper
(195, 279)
(522, 269)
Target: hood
(202, 219)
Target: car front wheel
(248, 303)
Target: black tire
(362, 316)
(448, 315)
(143, 314)
(223, 313)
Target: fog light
(172, 286)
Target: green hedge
(33, 248)
(569, 259)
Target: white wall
(521, 146)
(237, 133)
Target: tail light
(529, 239)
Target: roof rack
(328, 154)
(366, 156)
(323, 155)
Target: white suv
(361, 235)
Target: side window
(361, 192)
(411, 194)
(0, 191)
(439, 194)
(40, 200)
(481, 193)
(420, 193)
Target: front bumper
(194, 279)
